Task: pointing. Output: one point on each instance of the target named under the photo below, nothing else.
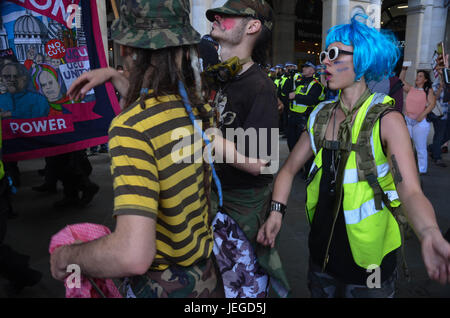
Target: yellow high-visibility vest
(372, 233)
(300, 108)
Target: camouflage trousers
(249, 209)
(323, 285)
(197, 281)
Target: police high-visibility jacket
(304, 88)
(371, 233)
(283, 80)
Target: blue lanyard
(188, 107)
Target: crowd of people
(184, 227)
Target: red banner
(41, 58)
(62, 11)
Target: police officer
(287, 85)
(307, 94)
(273, 73)
(279, 71)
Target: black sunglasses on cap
(332, 54)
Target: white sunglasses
(332, 54)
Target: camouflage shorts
(197, 281)
(322, 285)
(249, 209)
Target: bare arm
(441, 83)
(225, 151)
(128, 251)
(418, 209)
(89, 80)
(402, 76)
(431, 104)
(282, 188)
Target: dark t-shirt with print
(247, 106)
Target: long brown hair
(158, 70)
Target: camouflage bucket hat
(154, 24)
(258, 9)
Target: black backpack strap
(365, 161)
(321, 124)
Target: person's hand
(269, 230)
(280, 106)
(436, 256)
(87, 81)
(58, 263)
(292, 95)
(420, 118)
(256, 169)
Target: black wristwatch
(277, 206)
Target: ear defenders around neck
(224, 72)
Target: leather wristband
(278, 206)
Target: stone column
(329, 17)
(284, 38)
(198, 18)
(283, 33)
(426, 45)
(342, 11)
(414, 34)
(217, 3)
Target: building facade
(301, 26)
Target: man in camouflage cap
(247, 102)
(258, 9)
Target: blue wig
(375, 53)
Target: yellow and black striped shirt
(146, 146)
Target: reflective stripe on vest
(371, 233)
(300, 108)
(282, 82)
(312, 119)
(366, 209)
(277, 82)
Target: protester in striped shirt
(163, 239)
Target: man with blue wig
(363, 171)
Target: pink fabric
(84, 232)
(416, 101)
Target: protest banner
(43, 49)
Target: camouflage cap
(259, 9)
(154, 24)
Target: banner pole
(114, 7)
(102, 18)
